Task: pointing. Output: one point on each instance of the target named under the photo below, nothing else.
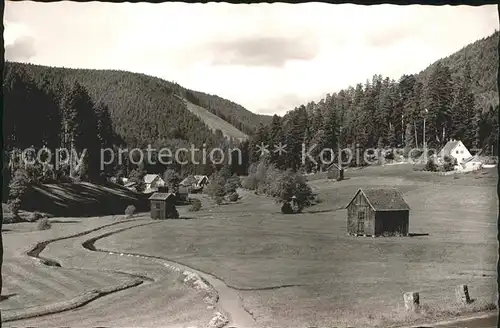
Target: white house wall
(460, 153)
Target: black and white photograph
(250, 165)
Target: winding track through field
(229, 301)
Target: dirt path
(229, 300)
(68, 252)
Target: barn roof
(381, 199)
(161, 196)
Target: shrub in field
(286, 208)
(35, 216)
(18, 187)
(250, 182)
(195, 205)
(219, 200)
(14, 206)
(233, 197)
(431, 166)
(256, 175)
(172, 180)
(215, 188)
(44, 224)
(288, 185)
(129, 211)
(449, 164)
(232, 183)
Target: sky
(269, 58)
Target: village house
(454, 149)
(195, 183)
(152, 182)
(376, 212)
(457, 151)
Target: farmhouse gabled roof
(448, 148)
(161, 196)
(149, 178)
(381, 199)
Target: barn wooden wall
(357, 205)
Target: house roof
(161, 196)
(149, 178)
(333, 166)
(448, 148)
(472, 159)
(381, 199)
(197, 179)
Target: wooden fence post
(412, 301)
(462, 294)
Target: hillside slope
(482, 56)
(146, 109)
(214, 122)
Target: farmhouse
(195, 183)
(335, 172)
(163, 206)
(152, 182)
(454, 149)
(376, 212)
(471, 164)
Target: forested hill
(457, 96)
(143, 108)
(482, 56)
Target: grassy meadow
(304, 270)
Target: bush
(14, 206)
(286, 208)
(219, 200)
(431, 166)
(129, 211)
(44, 224)
(233, 197)
(195, 205)
(449, 164)
(232, 183)
(35, 216)
(172, 180)
(250, 182)
(216, 187)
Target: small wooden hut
(163, 206)
(334, 171)
(375, 212)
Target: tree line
(383, 113)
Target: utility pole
(338, 147)
(424, 141)
(416, 136)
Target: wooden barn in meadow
(376, 212)
(163, 206)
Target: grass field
(161, 300)
(303, 270)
